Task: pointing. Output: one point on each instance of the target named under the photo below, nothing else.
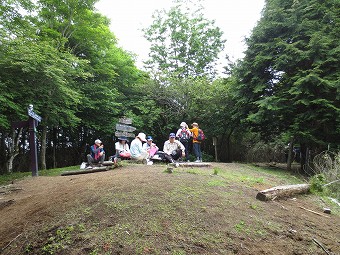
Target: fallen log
(190, 164)
(108, 163)
(282, 191)
(86, 171)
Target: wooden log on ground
(190, 164)
(87, 171)
(108, 163)
(282, 192)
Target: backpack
(184, 136)
(200, 136)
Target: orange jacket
(194, 132)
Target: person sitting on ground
(150, 147)
(122, 149)
(136, 148)
(173, 149)
(183, 134)
(97, 154)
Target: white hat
(183, 124)
(142, 136)
(97, 141)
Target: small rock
(327, 210)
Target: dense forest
(62, 57)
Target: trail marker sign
(123, 128)
(31, 123)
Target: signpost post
(215, 145)
(32, 124)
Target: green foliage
(317, 182)
(216, 170)
(183, 43)
(288, 81)
(62, 58)
(57, 242)
(327, 166)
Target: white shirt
(122, 147)
(170, 147)
(136, 148)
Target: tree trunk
(303, 149)
(54, 147)
(290, 154)
(43, 147)
(228, 145)
(282, 191)
(13, 149)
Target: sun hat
(97, 141)
(149, 138)
(194, 124)
(141, 136)
(183, 124)
(172, 135)
(122, 138)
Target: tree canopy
(288, 80)
(183, 42)
(63, 58)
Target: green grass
(8, 178)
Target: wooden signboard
(125, 120)
(125, 128)
(122, 133)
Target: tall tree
(183, 42)
(288, 80)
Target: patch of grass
(58, 240)
(8, 178)
(240, 226)
(194, 171)
(254, 207)
(216, 183)
(216, 170)
(276, 172)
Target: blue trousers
(197, 150)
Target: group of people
(142, 148)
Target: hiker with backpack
(198, 137)
(183, 134)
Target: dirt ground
(139, 209)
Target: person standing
(183, 134)
(136, 148)
(97, 154)
(196, 144)
(173, 149)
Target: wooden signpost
(32, 124)
(123, 128)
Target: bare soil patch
(139, 209)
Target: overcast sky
(236, 18)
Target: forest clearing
(141, 209)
